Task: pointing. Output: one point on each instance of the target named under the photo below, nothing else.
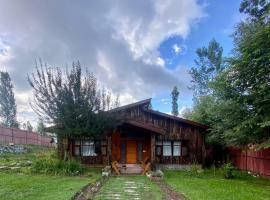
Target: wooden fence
(18, 136)
(250, 160)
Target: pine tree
(8, 108)
(174, 96)
(40, 127)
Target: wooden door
(131, 151)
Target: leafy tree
(71, 101)
(237, 109)
(8, 108)
(208, 63)
(258, 10)
(174, 96)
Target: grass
(210, 186)
(129, 187)
(30, 155)
(26, 185)
(15, 186)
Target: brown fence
(250, 160)
(17, 136)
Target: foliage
(209, 62)
(28, 126)
(194, 170)
(8, 108)
(50, 164)
(227, 169)
(40, 127)
(175, 95)
(72, 101)
(237, 108)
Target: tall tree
(208, 63)
(237, 109)
(72, 101)
(175, 95)
(8, 108)
(41, 127)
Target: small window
(167, 148)
(158, 150)
(88, 148)
(176, 148)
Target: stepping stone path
(129, 187)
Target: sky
(137, 49)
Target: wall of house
(191, 136)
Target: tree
(41, 127)
(258, 10)
(8, 108)
(209, 63)
(237, 108)
(71, 101)
(174, 96)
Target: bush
(227, 170)
(195, 170)
(50, 164)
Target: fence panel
(250, 160)
(18, 136)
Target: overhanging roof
(145, 126)
(146, 109)
(139, 103)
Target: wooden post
(153, 144)
(109, 150)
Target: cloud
(117, 40)
(177, 49)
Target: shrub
(227, 170)
(195, 170)
(50, 164)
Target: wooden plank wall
(174, 130)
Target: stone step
(131, 169)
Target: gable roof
(138, 103)
(147, 102)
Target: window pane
(158, 150)
(88, 148)
(167, 143)
(176, 150)
(159, 143)
(167, 148)
(176, 143)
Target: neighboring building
(144, 133)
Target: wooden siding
(174, 130)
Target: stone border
(89, 191)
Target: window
(158, 148)
(176, 148)
(167, 148)
(88, 148)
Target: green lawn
(129, 187)
(32, 187)
(212, 187)
(24, 185)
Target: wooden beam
(153, 144)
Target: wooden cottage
(145, 134)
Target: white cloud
(177, 49)
(117, 40)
